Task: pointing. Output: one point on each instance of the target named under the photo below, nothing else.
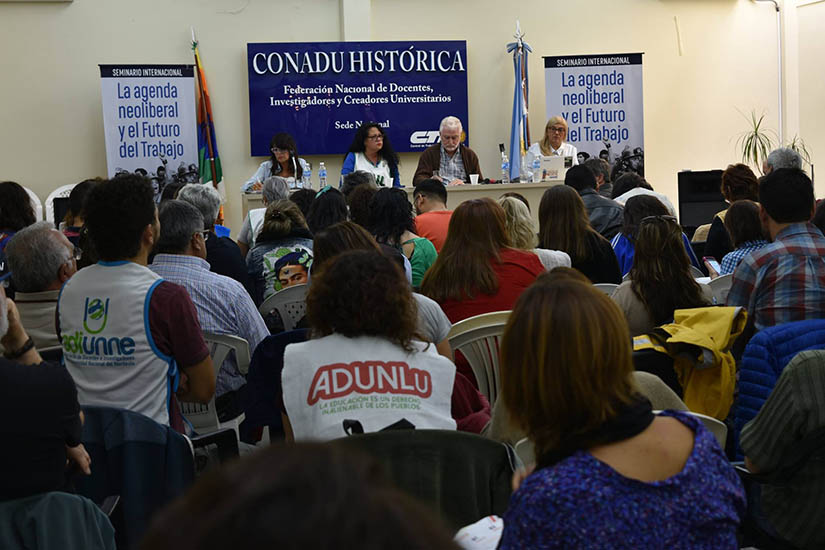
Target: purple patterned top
(582, 502)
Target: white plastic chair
(607, 288)
(720, 287)
(290, 303)
(716, 427)
(204, 418)
(525, 451)
(696, 272)
(37, 205)
(61, 192)
(477, 338)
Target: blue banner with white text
(321, 92)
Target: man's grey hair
(784, 157)
(449, 122)
(599, 167)
(275, 188)
(205, 198)
(354, 179)
(179, 220)
(35, 256)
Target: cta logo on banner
(149, 122)
(600, 97)
(321, 92)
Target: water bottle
(322, 174)
(505, 168)
(524, 176)
(306, 177)
(537, 169)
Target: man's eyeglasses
(205, 234)
(77, 253)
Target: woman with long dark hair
(564, 225)
(371, 151)
(284, 162)
(660, 279)
(329, 207)
(391, 222)
(16, 211)
(609, 472)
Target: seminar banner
(149, 122)
(321, 92)
(600, 97)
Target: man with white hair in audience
(41, 259)
(223, 305)
(222, 253)
(130, 339)
(453, 161)
(274, 188)
(784, 157)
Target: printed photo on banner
(149, 123)
(600, 98)
(321, 92)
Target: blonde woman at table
(284, 162)
(555, 132)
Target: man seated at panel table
(131, 339)
(223, 305)
(41, 259)
(453, 161)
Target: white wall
(811, 20)
(50, 110)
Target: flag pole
(204, 112)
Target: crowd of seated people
(385, 288)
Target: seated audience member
(130, 338)
(44, 422)
(518, 196)
(73, 221)
(358, 203)
(432, 216)
(303, 198)
(660, 279)
(605, 215)
(563, 225)
(354, 179)
(569, 387)
(785, 280)
(364, 319)
(523, 235)
(631, 184)
(478, 271)
(391, 223)
(284, 238)
(745, 230)
(371, 151)
(329, 207)
(738, 183)
(453, 161)
(222, 253)
(223, 305)
(635, 210)
(601, 171)
(298, 496)
(793, 410)
(41, 259)
(16, 211)
(275, 188)
(784, 157)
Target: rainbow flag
(209, 162)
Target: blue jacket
(763, 361)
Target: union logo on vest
(96, 312)
(95, 317)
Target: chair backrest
(460, 476)
(205, 417)
(61, 192)
(607, 288)
(290, 303)
(477, 338)
(37, 205)
(146, 463)
(695, 272)
(526, 451)
(720, 287)
(55, 520)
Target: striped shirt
(732, 259)
(451, 168)
(796, 407)
(223, 305)
(783, 281)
